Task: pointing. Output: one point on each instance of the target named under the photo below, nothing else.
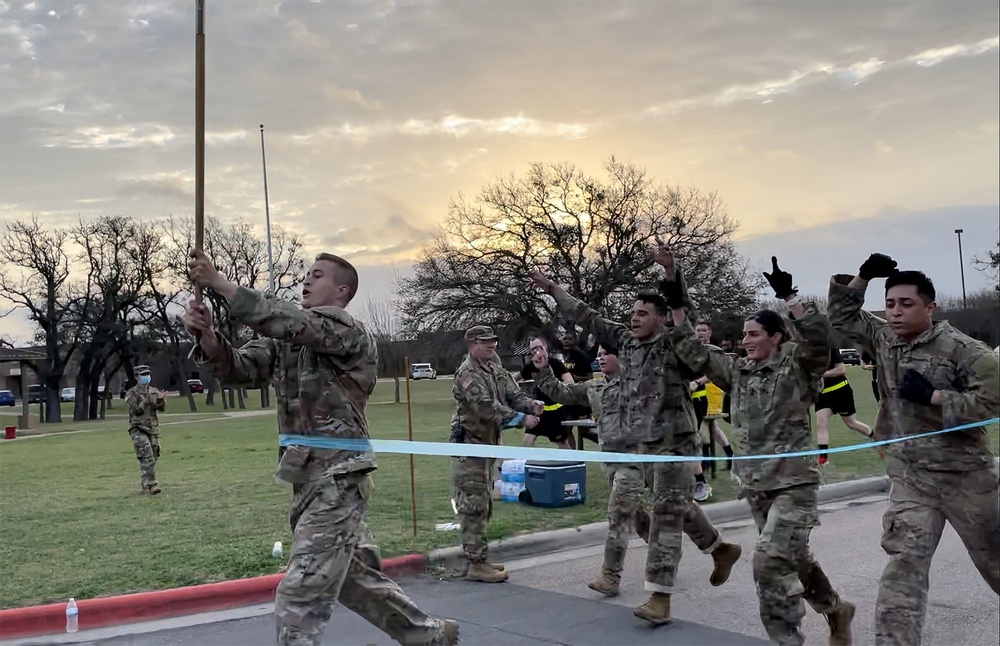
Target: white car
(67, 395)
(422, 371)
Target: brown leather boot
(725, 557)
(606, 584)
(656, 611)
(482, 571)
(840, 624)
(450, 633)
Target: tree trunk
(265, 397)
(397, 380)
(53, 414)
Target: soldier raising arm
(932, 377)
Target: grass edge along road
(73, 522)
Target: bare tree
(41, 286)
(590, 235)
(990, 265)
(382, 320)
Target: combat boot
(725, 557)
(642, 523)
(496, 566)
(152, 490)
(656, 611)
(606, 584)
(450, 633)
(840, 624)
(482, 571)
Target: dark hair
(652, 298)
(610, 346)
(705, 323)
(345, 274)
(925, 288)
(772, 322)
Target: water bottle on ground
(72, 616)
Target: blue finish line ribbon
(407, 447)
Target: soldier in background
(655, 409)
(773, 391)
(487, 401)
(322, 362)
(932, 377)
(143, 402)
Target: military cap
(142, 370)
(480, 333)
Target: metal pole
(199, 134)
(409, 423)
(267, 216)
(961, 264)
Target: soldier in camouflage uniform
(656, 413)
(772, 391)
(627, 481)
(322, 363)
(931, 377)
(143, 401)
(488, 400)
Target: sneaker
(702, 491)
(822, 460)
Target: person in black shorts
(579, 364)
(550, 422)
(868, 363)
(837, 397)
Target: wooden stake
(409, 424)
(199, 134)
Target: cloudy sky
(830, 129)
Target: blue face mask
(145, 379)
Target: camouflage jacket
(322, 362)
(654, 402)
(601, 395)
(770, 401)
(142, 404)
(487, 398)
(964, 370)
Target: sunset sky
(830, 129)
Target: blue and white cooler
(555, 484)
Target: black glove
(915, 388)
(780, 281)
(878, 265)
(673, 292)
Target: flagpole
(267, 216)
(199, 134)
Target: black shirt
(579, 364)
(528, 372)
(835, 358)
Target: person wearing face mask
(773, 390)
(143, 402)
(656, 416)
(931, 377)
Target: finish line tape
(407, 447)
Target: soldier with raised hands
(773, 389)
(656, 416)
(932, 377)
(143, 403)
(322, 363)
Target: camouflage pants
(472, 480)
(333, 558)
(147, 452)
(920, 503)
(627, 482)
(784, 568)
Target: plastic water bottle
(72, 616)
(276, 550)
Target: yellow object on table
(715, 397)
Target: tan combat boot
(725, 557)
(840, 624)
(656, 611)
(606, 584)
(496, 566)
(482, 571)
(450, 633)
(152, 490)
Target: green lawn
(73, 523)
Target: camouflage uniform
(658, 418)
(770, 410)
(947, 477)
(322, 364)
(627, 481)
(487, 400)
(142, 402)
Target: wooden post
(409, 424)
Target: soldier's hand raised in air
(664, 257)
(878, 265)
(780, 281)
(539, 357)
(539, 280)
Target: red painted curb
(161, 604)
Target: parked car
(850, 356)
(195, 386)
(67, 395)
(422, 371)
(36, 394)
(6, 398)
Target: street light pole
(961, 263)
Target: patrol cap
(142, 370)
(480, 333)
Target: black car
(850, 356)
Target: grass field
(72, 521)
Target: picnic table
(583, 427)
